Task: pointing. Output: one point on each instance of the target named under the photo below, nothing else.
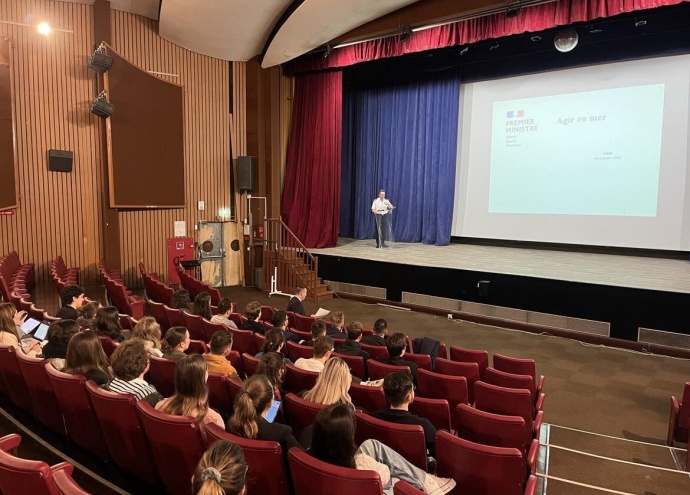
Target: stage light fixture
(100, 61)
(405, 35)
(494, 46)
(328, 51)
(44, 28)
(640, 22)
(513, 9)
(535, 38)
(565, 40)
(101, 107)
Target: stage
(626, 291)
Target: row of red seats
(15, 276)
(117, 293)
(196, 287)
(62, 275)
(155, 289)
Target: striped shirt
(138, 388)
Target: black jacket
(274, 432)
(401, 362)
(254, 326)
(352, 348)
(407, 418)
(295, 305)
(67, 313)
(373, 340)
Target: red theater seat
(196, 347)
(303, 323)
(195, 326)
(355, 363)
(219, 396)
(452, 368)
(376, 351)
(174, 316)
(435, 410)
(519, 382)
(249, 363)
(158, 312)
(267, 313)
(211, 328)
(470, 356)
(41, 392)
(108, 345)
(423, 361)
(13, 384)
(162, 373)
(519, 367)
(244, 341)
(406, 440)
(436, 386)
(66, 485)
(301, 412)
(367, 397)
(511, 402)
(296, 351)
(679, 421)
(378, 371)
(404, 488)
(298, 380)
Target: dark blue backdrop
(402, 138)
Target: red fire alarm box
(179, 249)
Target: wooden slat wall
(143, 234)
(58, 212)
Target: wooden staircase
(296, 266)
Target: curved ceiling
(147, 8)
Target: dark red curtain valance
(532, 19)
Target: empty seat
(301, 412)
(355, 363)
(197, 347)
(41, 392)
(65, 484)
(158, 312)
(423, 361)
(511, 402)
(13, 381)
(470, 356)
(108, 345)
(519, 367)
(376, 351)
(244, 341)
(195, 326)
(174, 316)
(298, 380)
(250, 363)
(267, 313)
(469, 370)
(211, 328)
(303, 323)
(367, 397)
(219, 396)
(511, 380)
(378, 371)
(162, 374)
(679, 420)
(436, 386)
(435, 410)
(406, 440)
(297, 351)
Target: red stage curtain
(532, 19)
(311, 194)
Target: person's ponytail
(243, 420)
(221, 471)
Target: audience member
(380, 332)
(87, 315)
(202, 305)
(248, 418)
(72, 298)
(10, 321)
(85, 356)
(224, 311)
(191, 393)
(396, 344)
(149, 331)
(253, 311)
(318, 329)
(175, 343)
(399, 391)
(222, 470)
(333, 384)
(59, 335)
(333, 441)
(323, 348)
(130, 364)
(337, 328)
(107, 323)
(181, 300)
(275, 342)
(352, 346)
(216, 359)
(272, 366)
(280, 321)
(295, 304)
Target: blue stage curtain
(401, 138)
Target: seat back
(511, 380)
(404, 488)
(195, 325)
(177, 445)
(65, 484)
(301, 412)
(219, 393)
(298, 380)
(367, 397)
(406, 440)
(296, 351)
(480, 469)
(378, 371)
(21, 476)
(211, 328)
(435, 410)
(516, 366)
(423, 361)
(355, 363)
(238, 319)
(80, 418)
(497, 430)
(376, 351)
(41, 392)
(250, 364)
(267, 313)
(108, 345)
(266, 473)
(453, 368)
(197, 347)
(123, 433)
(174, 316)
(436, 386)
(244, 341)
(158, 312)
(162, 374)
(507, 401)
(462, 355)
(36, 313)
(684, 416)
(260, 340)
(303, 323)
(311, 476)
(13, 382)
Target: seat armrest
(63, 466)
(540, 402)
(532, 456)
(10, 442)
(540, 384)
(531, 486)
(673, 421)
(136, 309)
(538, 420)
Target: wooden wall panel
(58, 212)
(206, 85)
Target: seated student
(107, 323)
(396, 344)
(222, 470)
(191, 393)
(380, 332)
(280, 321)
(318, 329)
(295, 303)
(399, 392)
(10, 321)
(59, 335)
(332, 385)
(87, 315)
(224, 311)
(337, 328)
(130, 364)
(221, 345)
(333, 441)
(248, 418)
(149, 331)
(202, 305)
(72, 298)
(85, 356)
(275, 342)
(323, 348)
(175, 343)
(272, 366)
(352, 346)
(253, 311)
(181, 300)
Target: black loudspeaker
(60, 161)
(483, 287)
(246, 173)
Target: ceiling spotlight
(536, 38)
(513, 9)
(101, 107)
(494, 46)
(44, 28)
(100, 61)
(464, 50)
(328, 51)
(640, 22)
(405, 35)
(565, 40)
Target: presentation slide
(595, 155)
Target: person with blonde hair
(222, 470)
(10, 320)
(149, 331)
(337, 328)
(248, 418)
(191, 393)
(332, 385)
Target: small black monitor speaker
(483, 287)
(60, 161)
(246, 173)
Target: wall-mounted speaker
(246, 173)
(60, 161)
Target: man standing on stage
(381, 207)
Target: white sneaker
(433, 485)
